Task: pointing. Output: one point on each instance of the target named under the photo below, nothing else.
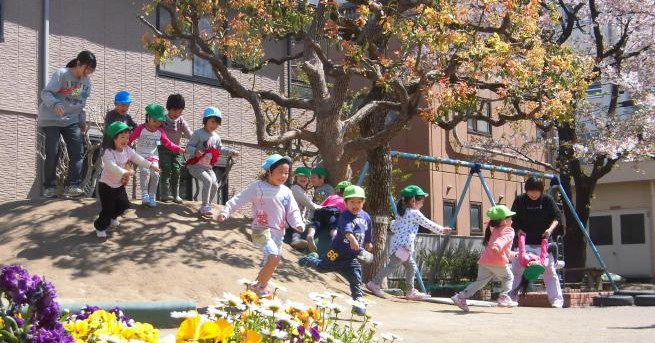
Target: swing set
(476, 169)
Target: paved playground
(179, 256)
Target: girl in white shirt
(405, 228)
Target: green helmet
(115, 128)
(156, 112)
(343, 184)
(533, 272)
(320, 171)
(413, 191)
(353, 191)
(303, 171)
(499, 212)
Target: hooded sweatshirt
(64, 88)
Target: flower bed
(29, 312)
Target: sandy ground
(169, 253)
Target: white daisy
(295, 305)
(246, 282)
(279, 334)
(277, 287)
(274, 305)
(232, 300)
(333, 295)
(184, 314)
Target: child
(405, 228)
(114, 177)
(307, 207)
(171, 163)
(322, 189)
(535, 265)
(354, 231)
(205, 146)
(328, 215)
(150, 135)
(122, 101)
(273, 206)
(494, 259)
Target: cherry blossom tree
(616, 122)
(396, 60)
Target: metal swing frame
(476, 168)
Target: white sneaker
(50, 192)
(506, 301)
(145, 200)
(101, 233)
(152, 201)
(73, 191)
(375, 289)
(557, 304)
(560, 264)
(114, 223)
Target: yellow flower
(188, 330)
(78, 328)
(249, 297)
(253, 337)
(2, 322)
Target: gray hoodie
(64, 88)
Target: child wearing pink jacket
(493, 262)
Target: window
(476, 219)
(192, 69)
(481, 126)
(449, 212)
(633, 229)
(299, 84)
(2, 22)
(595, 90)
(600, 230)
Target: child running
(354, 232)
(273, 206)
(493, 263)
(150, 135)
(405, 228)
(114, 177)
(205, 146)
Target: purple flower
(55, 335)
(19, 321)
(301, 330)
(15, 281)
(280, 325)
(121, 317)
(86, 312)
(316, 334)
(47, 316)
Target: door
(623, 240)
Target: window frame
(472, 125)
(2, 21)
(184, 77)
(480, 231)
(452, 203)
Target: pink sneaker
(206, 211)
(375, 289)
(506, 301)
(262, 292)
(459, 300)
(416, 295)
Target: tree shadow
(62, 232)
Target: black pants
(113, 203)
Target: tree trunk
(377, 193)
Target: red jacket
(215, 154)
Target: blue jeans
(75, 146)
(348, 267)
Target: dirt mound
(158, 253)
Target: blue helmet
(271, 160)
(123, 97)
(212, 111)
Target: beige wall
(421, 138)
(112, 32)
(624, 195)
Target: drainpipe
(44, 42)
(652, 228)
